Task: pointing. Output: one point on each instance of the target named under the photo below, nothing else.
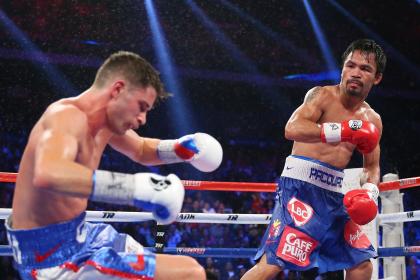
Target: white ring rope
(101, 216)
(400, 217)
(212, 218)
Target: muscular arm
(139, 149)
(302, 126)
(56, 150)
(371, 161)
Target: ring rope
(101, 216)
(212, 218)
(8, 177)
(251, 252)
(111, 216)
(400, 217)
(6, 250)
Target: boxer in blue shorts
(315, 225)
(58, 173)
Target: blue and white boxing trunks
(79, 250)
(310, 226)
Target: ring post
(392, 233)
(353, 178)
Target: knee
(195, 270)
(262, 270)
(365, 267)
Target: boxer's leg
(362, 271)
(168, 266)
(178, 267)
(262, 270)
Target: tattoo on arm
(312, 94)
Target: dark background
(243, 98)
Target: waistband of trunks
(313, 171)
(46, 246)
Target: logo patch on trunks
(301, 212)
(296, 247)
(354, 236)
(42, 257)
(274, 229)
(139, 265)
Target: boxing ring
(391, 220)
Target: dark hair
(134, 68)
(368, 46)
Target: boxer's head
(133, 86)
(363, 65)
(366, 47)
(132, 68)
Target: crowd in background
(241, 164)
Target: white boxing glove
(200, 149)
(163, 196)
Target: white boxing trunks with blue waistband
(79, 250)
(309, 226)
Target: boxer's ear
(378, 78)
(117, 87)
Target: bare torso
(336, 154)
(35, 207)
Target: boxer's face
(359, 74)
(130, 108)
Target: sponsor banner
(411, 249)
(198, 251)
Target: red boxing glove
(363, 134)
(360, 205)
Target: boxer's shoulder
(371, 115)
(63, 113)
(320, 94)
